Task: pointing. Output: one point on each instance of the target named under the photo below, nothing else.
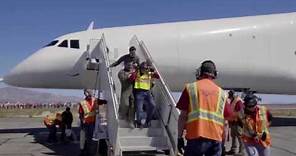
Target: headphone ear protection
(197, 73)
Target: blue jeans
(257, 150)
(144, 97)
(203, 146)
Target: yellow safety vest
(143, 81)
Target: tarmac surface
(27, 137)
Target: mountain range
(13, 94)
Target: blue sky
(27, 25)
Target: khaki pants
(126, 106)
(236, 141)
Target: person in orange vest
(255, 121)
(235, 130)
(51, 121)
(87, 114)
(203, 105)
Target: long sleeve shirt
(126, 59)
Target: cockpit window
(52, 43)
(74, 44)
(64, 44)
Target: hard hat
(231, 93)
(250, 100)
(208, 67)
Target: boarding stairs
(161, 137)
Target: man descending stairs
(159, 137)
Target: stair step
(150, 132)
(125, 124)
(144, 148)
(134, 141)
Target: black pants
(52, 136)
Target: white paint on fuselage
(250, 52)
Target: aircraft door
(87, 65)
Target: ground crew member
(203, 109)
(126, 107)
(67, 119)
(131, 57)
(142, 91)
(51, 121)
(255, 121)
(235, 130)
(87, 115)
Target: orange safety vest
(52, 119)
(88, 110)
(257, 127)
(206, 110)
(48, 120)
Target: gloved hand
(263, 136)
(240, 123)
(181, 145)
(102, 101)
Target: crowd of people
(19, 105)
(209, 115)
(206, 112)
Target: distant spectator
(51, 121)
(67, 119)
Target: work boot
(147, 124)
(230, 152)
(131, 124)
(82, 153)
(139, 125)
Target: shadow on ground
(40, 137)
(283, 121)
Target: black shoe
(138, 124)
(230, 152)
(82, 153)
(147, 125)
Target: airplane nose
(44, 68)
(10, 78)
(21, 74)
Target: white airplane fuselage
(258, 53)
